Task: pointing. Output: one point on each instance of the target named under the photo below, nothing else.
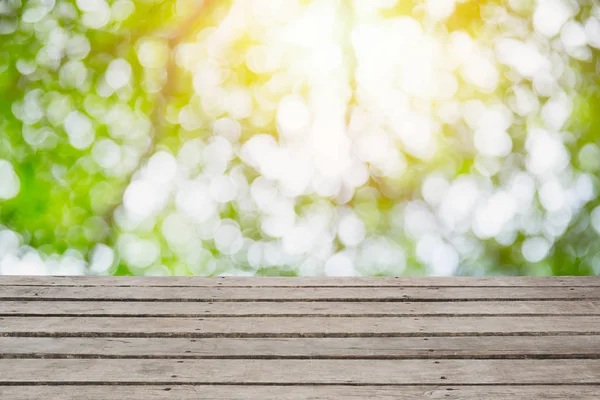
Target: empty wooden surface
(299, 338)
(297, 309)
(181, 281)
(301, 372)
(297, 327)
(298, 294)
(271, 392)
(417, 347)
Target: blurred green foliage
(67, 202)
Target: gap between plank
(299, 286)
(34, 356)
(384, 315)
(299, 300)
(184, 383)
(217, 335)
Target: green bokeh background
(66, 202)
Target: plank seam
(286, 335)
(301, 286)
(299, 300)
(195, 383)
(35, 356)
(441, 315)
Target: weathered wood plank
(208, 392)
(298, 282)
(257, 309)
(374, 372)
(298, 294)
(385, 347)
(296, 327)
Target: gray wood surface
(381, 372)
(525, 281)
(315, 308)
(297, 294)
(297, 327)
(92, 338)
(379, 347)
(212, 392)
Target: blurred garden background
(300, 137)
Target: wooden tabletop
(138, 338)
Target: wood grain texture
(402, 347)
(213, 294)
(357, 372)
(306, 338)
(208, 392)
(245, 309)
(297, 327)
(298, 282)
